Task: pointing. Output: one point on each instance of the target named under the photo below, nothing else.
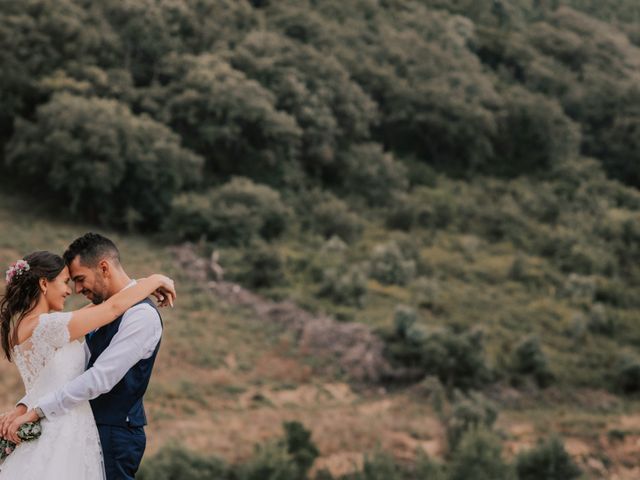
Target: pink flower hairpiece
(16, 269)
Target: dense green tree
(229, 119)
(234, 213)
(312, 87)
(112, 166)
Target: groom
(120, 358)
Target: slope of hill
(227, 378)
(455, 181)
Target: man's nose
(77, 287)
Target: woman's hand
(7, 418)
(166, 291)
(12, 432)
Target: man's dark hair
(91, 248)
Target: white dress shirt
(135, 340)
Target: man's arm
(136, 339)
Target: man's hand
(7, 418)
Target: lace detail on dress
(69, 447)
(32, 355)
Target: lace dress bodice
(69, 446)
(47, 360)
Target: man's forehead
(76, 268)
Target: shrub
(389, 265)
(529, 359)
(627, 375)
(426, 294)
(228, 118)
(457, 359)
(122, 170)
(548, 460)
(469, 413)
(331, 217)
(176, 463)
(404, 319)
(261, 266)
(403, 213)
(344, 285)
(380, 466)
(289, 458)
(373, 174)
(270, 461)
(533, 133)
(479, 458)
(300, 446)
(599, 321)
(578, 288)
(234, 213)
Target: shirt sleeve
(26, 401)
(136, 339)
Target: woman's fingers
(7, 418)
(12, 433)
(169, 294)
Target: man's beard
(96, 298)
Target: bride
(47, 350)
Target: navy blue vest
(121, 406)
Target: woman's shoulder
(26, 328)
(52, 327)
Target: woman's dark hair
(22, 294)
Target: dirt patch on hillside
(357, 351)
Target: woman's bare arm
(87, 320)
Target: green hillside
(453, 183)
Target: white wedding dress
(69, 446)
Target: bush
(404, 319)
(229, 119)
(479, 458)
(599, 321)
(403, 213)
(455, 358)
(548, 461)
(529, 359)
(261, 266)
(426, 294)
(235, 213)
(289, 458)
(469, 413)
(300, 446)
(176, 463)
(379, 467)
(122, 170)
(331, 217)
(627, 375)
(344, 285)
(389, 265)
(373, 174)
(533, 134)
(270, 461)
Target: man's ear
(104, 268)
